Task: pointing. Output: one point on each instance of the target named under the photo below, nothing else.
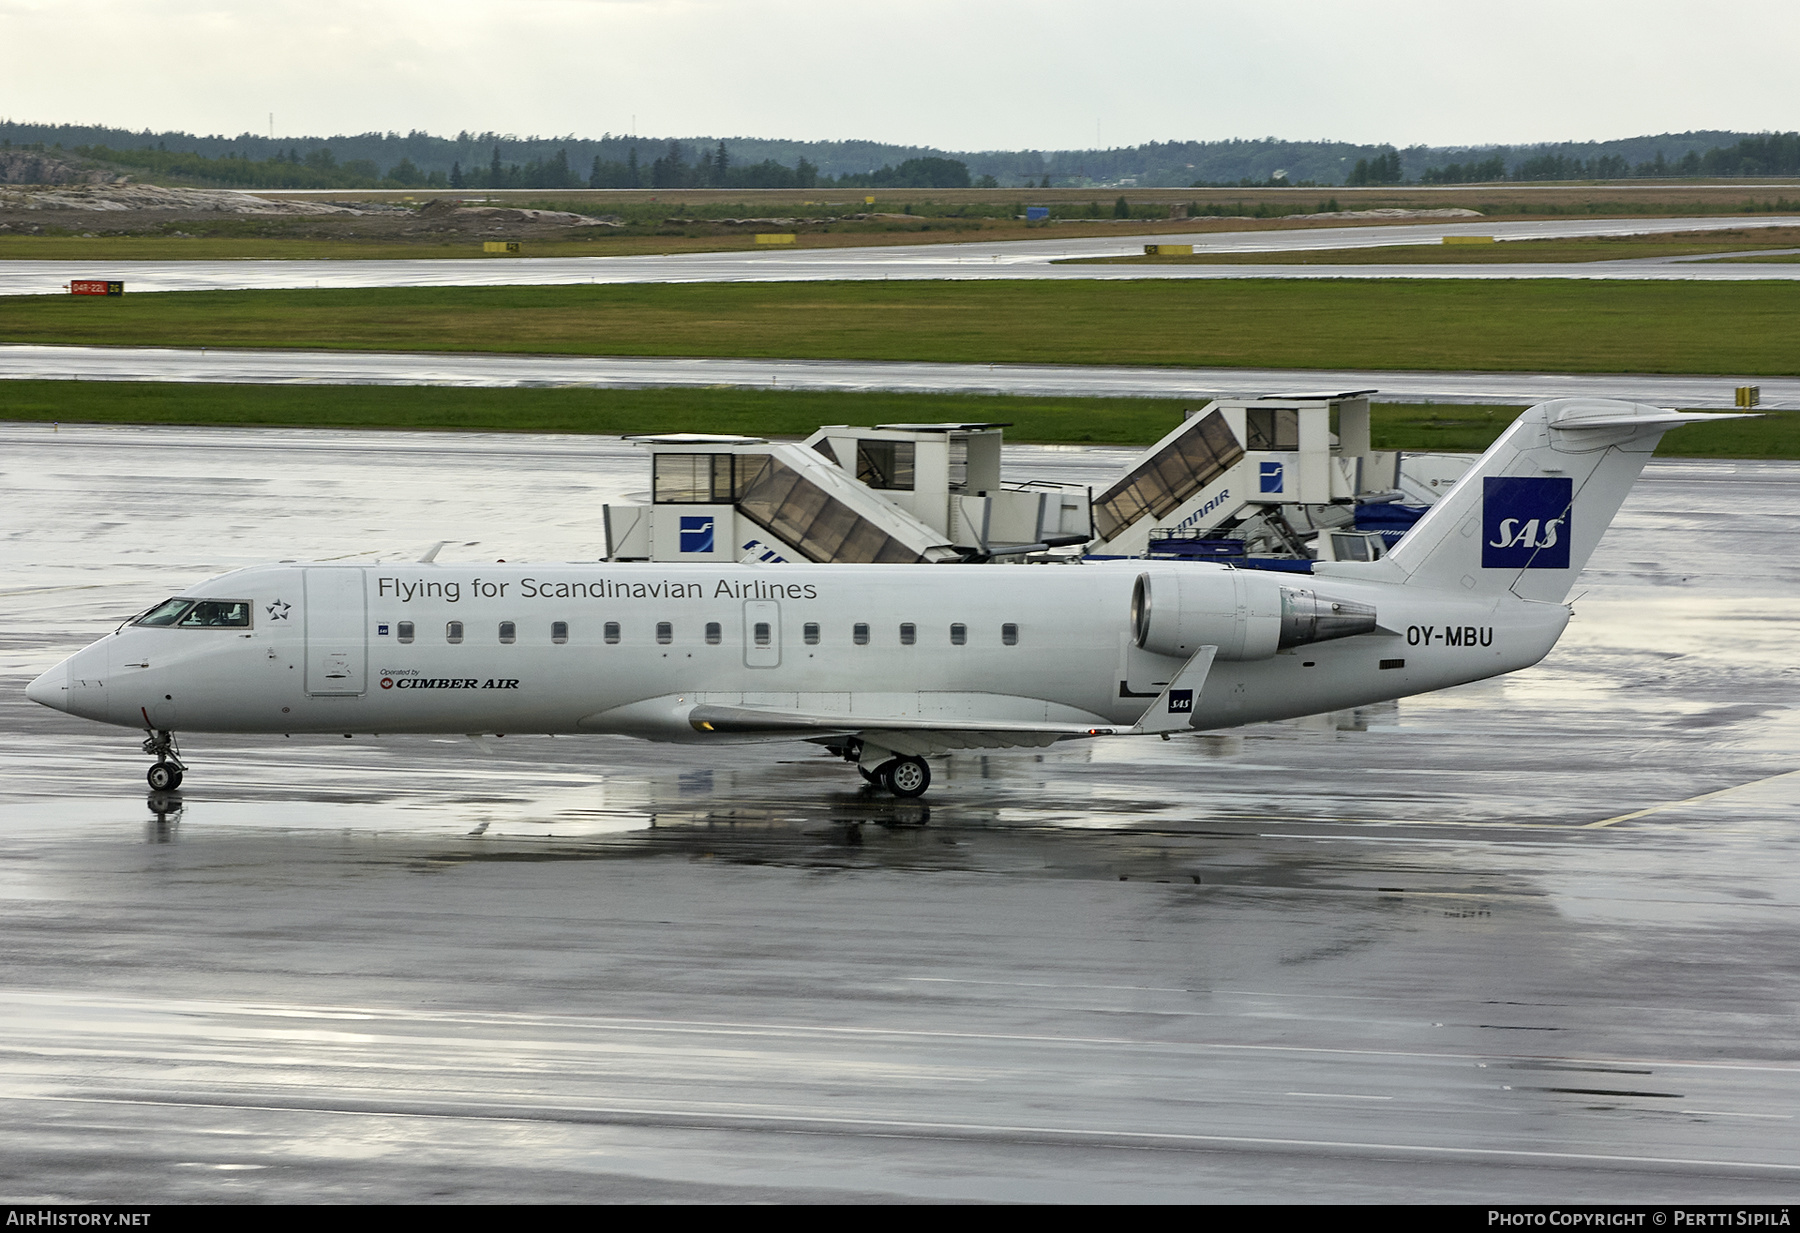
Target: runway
(1529, 940)
(1046, 380)
(1003, 259)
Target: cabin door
(762, 633)
(337, 648)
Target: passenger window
(559, 632)
(665, 633)
(763, 633)
(404, 631)
(509, 633)
(811, 632)
(859, 634)
(453, 631)
(909, 633)
(959, 634)
(1009, 634)
(714, 634)
(611, 632)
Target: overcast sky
(957, 74)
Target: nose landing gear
(165, 774)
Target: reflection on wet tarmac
(1522, 940)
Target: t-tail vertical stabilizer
(1529, 514)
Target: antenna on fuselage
(431, 552)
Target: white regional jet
(880, 664)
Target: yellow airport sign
(1168, 250)
(1468, 239)
(868, 201)
(774, 237)
(499, 246)
(1749, 395)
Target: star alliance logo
(278, 611)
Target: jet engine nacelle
(1247, 614)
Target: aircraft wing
(910, 734)
(1172, 711)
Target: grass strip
(1743, 329)
(755, 412)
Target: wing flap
(765, 721)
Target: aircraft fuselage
(625, 647)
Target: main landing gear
(906, 777)
(165, 774)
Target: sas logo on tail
(1525, 523)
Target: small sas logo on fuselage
(1525, 523)
(1181, 701)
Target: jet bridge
(896, 493)
(1282, 476)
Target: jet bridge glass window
(1205, 450)
(909, 633)
(404, 631)
(1272, 428)
(610, 632)
(665, 633)
(453, 631)
(1009, 634)
(959, 634)
(509, 632)
(693, 479)
(559, 632)
(859, 634)
(887, 465)
(715, 633)
(794, 509)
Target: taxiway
(1526, 940)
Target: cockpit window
(217, 614)
(199, 614)
(165, 613)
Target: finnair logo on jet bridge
(1525, 522)
(1271, 477)
(697, 533)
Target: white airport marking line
(1704, 796)
(735, 1027)
(893, 1128)
(1339, 1095)
(1779, 1117)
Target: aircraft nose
(52, 688)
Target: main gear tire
(907, 777)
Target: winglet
(1173, 710)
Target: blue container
(1036, 214)
(1392, 519)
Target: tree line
(674, 168)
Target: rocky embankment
(122, 208)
